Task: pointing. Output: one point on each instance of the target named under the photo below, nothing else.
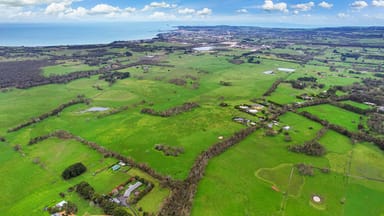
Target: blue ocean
(49, 34)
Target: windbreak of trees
(80, 99)
(172, 111)
(181, 198)
(273, 87)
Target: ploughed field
(153, 107)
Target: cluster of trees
(371, 91)
(111, 77)
(169, 150)
(304, 169)
(178, 81)
(87, 192)
(2, 139)
(225, 83)
(376, 123)
(172, 111)
(253, 60)
(73, 171)
(312, 148)
(307, 79)
(273, 87)
(181, 198)
(56, 111)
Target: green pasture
(335, 115)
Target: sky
(205, 12)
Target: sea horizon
(61, 34)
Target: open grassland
(40, 183)
(66, 68)
(335, 115)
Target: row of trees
(273, 87)
(180, 201)
(80, 99)
(172, 111)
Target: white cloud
(186, 11)
(130, 9)
(22, 3)
(359, 4)
(158, 5)
(342, 15)
(270, 6)
(242, 11)
(326, 5)
(378, 3)
(304, 7)
(56, 8)
(78, 12)
(104, 9)
(204, 12)
(162, 16)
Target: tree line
(80, 99)
(179, 203)
(172, 111)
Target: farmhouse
(131, 188)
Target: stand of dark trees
(273, 87)
(179, 203)
(172, 111)
(111, 77)
(56, 111)
(169, 150)
(73, 171)
(16, 73)
(305, 170)
(307, 79)
(26, 74)
(312, 148)
(376, 123)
